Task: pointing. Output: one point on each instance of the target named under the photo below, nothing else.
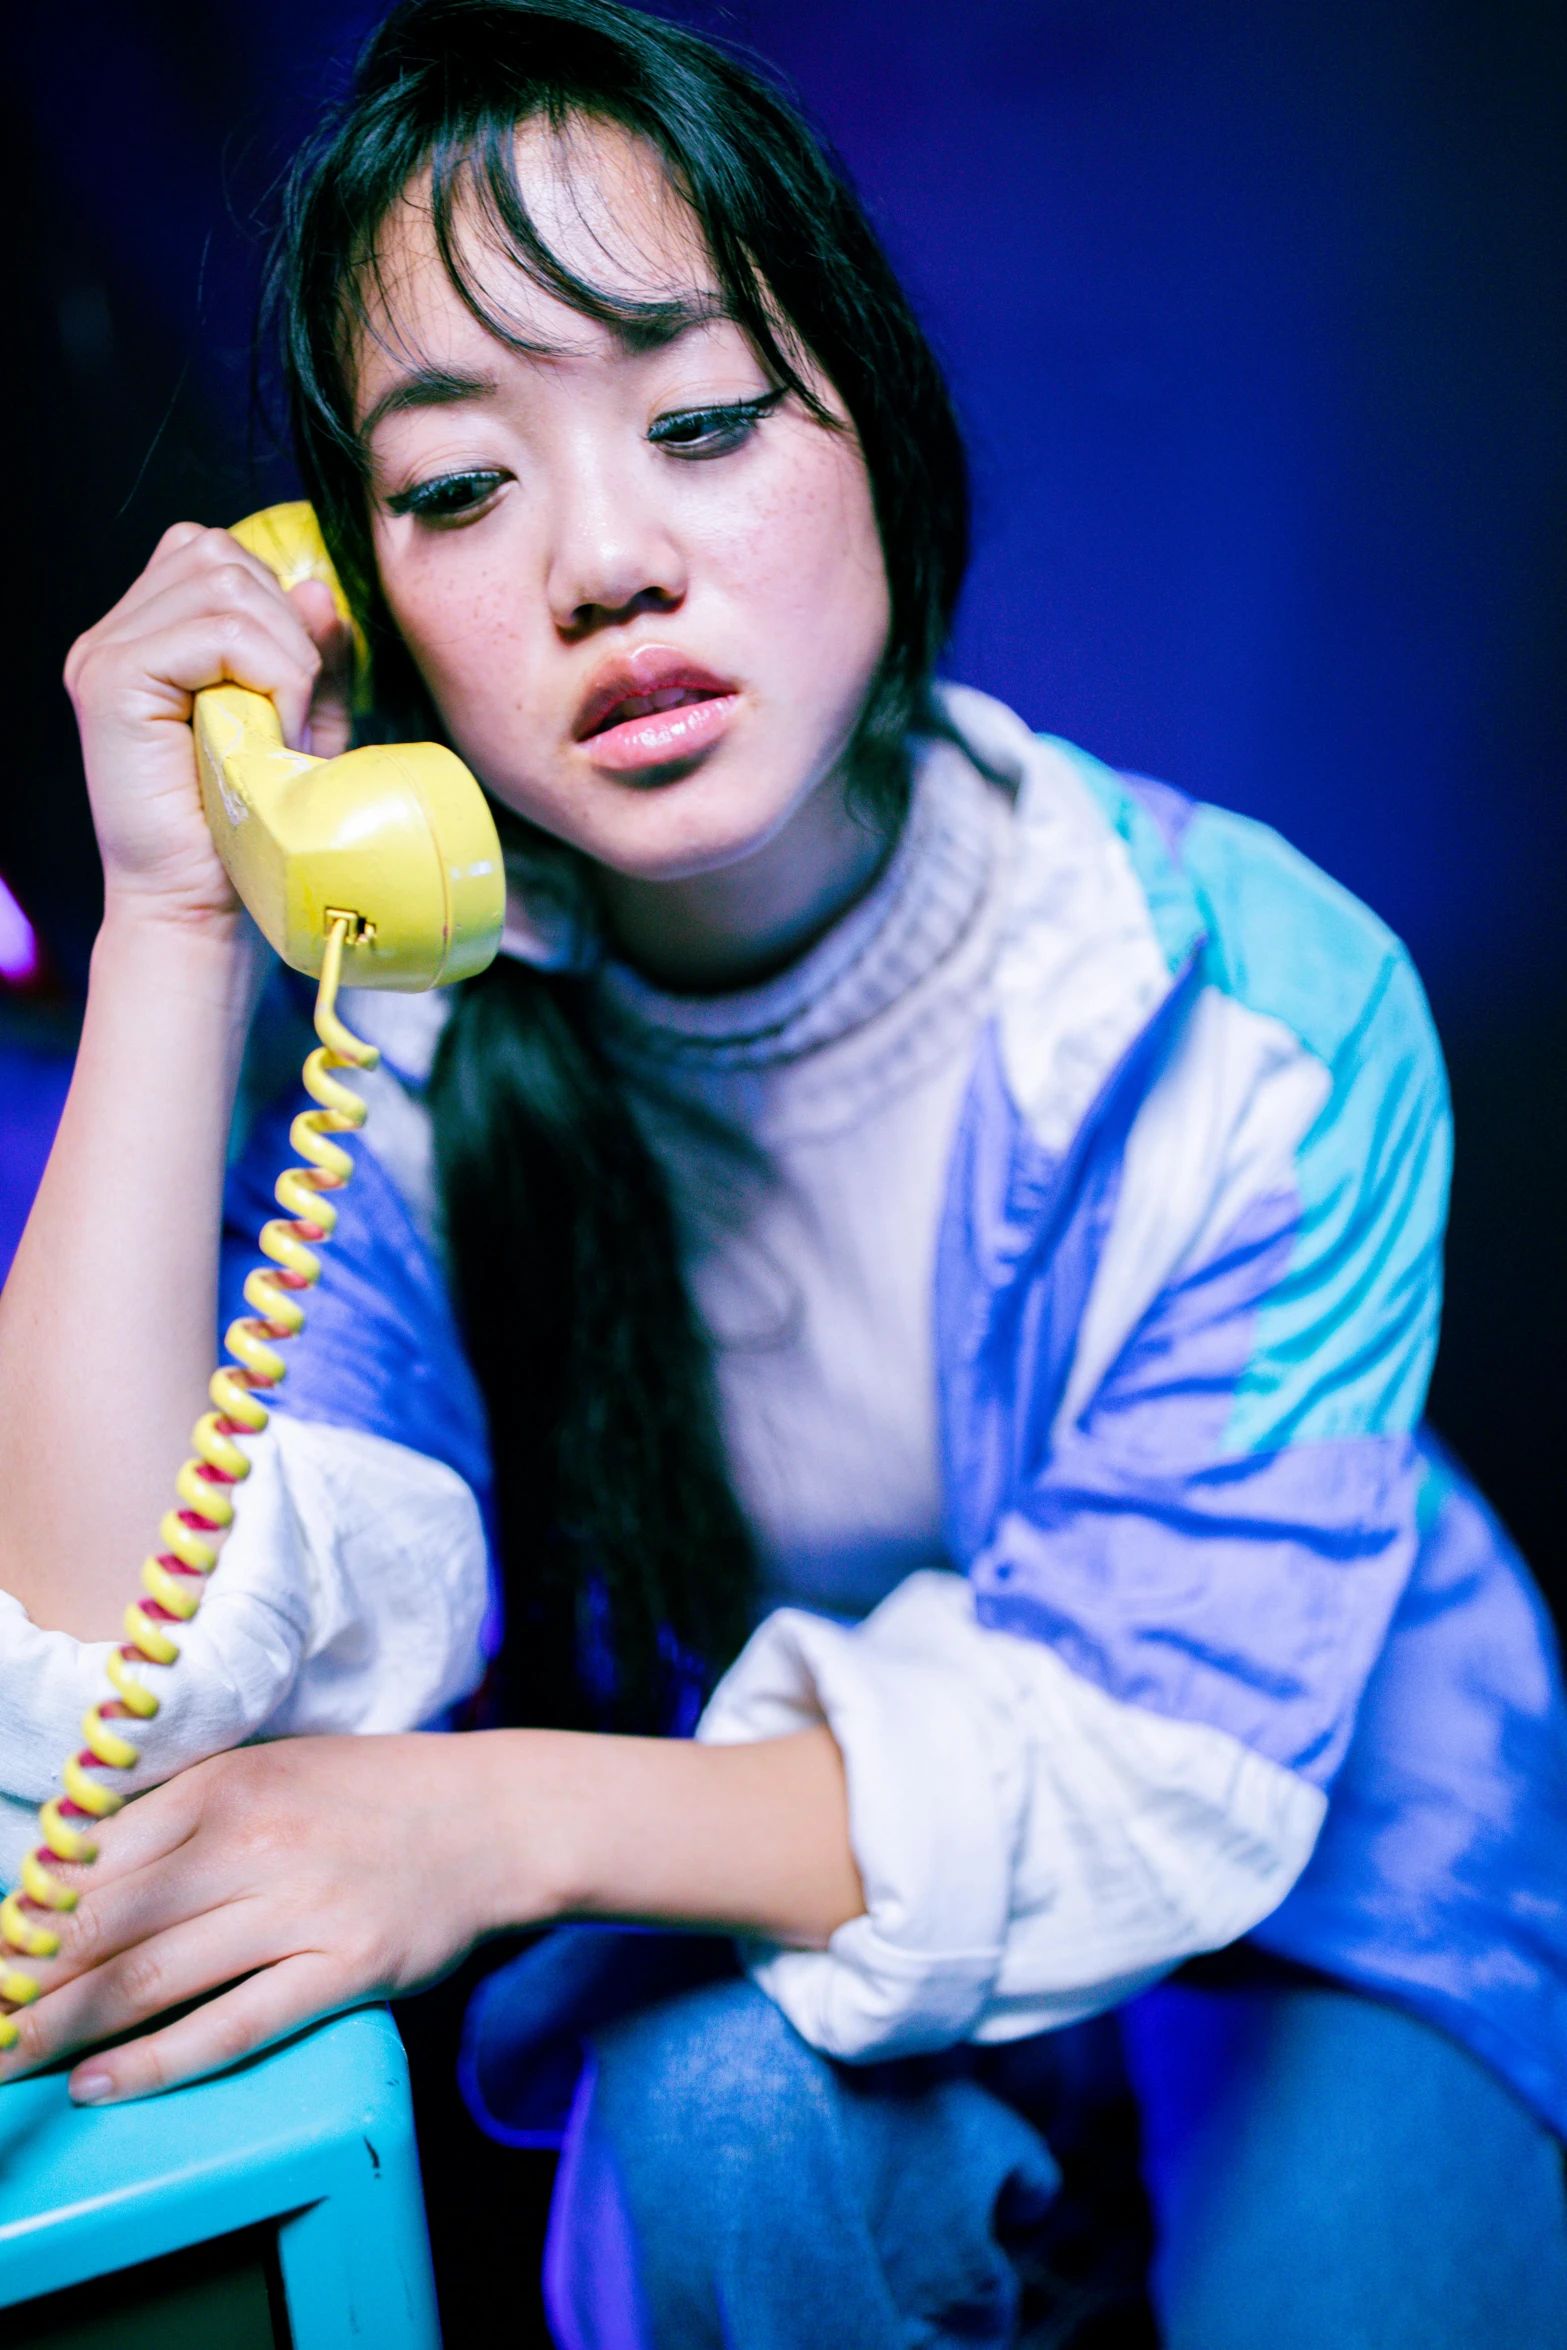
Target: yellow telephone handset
(395, 837)
(379, 869)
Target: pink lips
(653, 708)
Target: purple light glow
(20, 959)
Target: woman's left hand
(305, 1876)
(296, 1879)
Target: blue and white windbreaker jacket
(1232, 1649)
(1188, 1292)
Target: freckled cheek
(802, 561)
(476, 653)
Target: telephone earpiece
(395, 840)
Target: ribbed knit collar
(905, 926)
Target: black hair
(625, 1555)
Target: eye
(712, 431)
(452, 497)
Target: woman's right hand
(204, 612)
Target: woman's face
(645, 589)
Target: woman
(891, 1144)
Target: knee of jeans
(694, 2077)
(687, 2112)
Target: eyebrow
(426, 387)
(438, 387)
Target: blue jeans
(1325, 2173)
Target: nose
(611, 555)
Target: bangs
(478, 212)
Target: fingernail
(91, 2088)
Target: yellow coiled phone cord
(173, 1580)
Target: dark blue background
(1255, 316)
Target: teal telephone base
(277, 2206)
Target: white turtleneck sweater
(815, 1276)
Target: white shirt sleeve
(350, 1594)
(1031, 1849)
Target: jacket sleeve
(350, 1595)
(354, 1591)
(1111, 1745)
